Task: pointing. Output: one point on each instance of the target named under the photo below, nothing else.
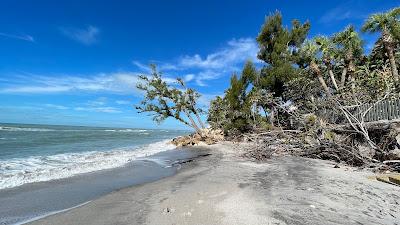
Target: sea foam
(23, 129)
(18, 171)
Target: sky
(76, 62)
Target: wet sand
(36, 200)
(225, 188)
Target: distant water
(33, 153)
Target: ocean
(33, 153)
(45, 169)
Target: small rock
(336, 166)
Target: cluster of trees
(307, 73)
(297, 73)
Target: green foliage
(217, 113)
(239, 111)
(350, 43)
(279, 50)
(384, 22)
(164, 101)
(292, 81)
(233, 113)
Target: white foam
(125, 130)
(32, 129)
(19, 171)
(50, 214)
(23, 129)
(3, 138)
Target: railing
(384, 110)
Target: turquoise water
(33, 153)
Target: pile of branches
(352, 142)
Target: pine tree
(279, 50)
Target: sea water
(35, 153)
(47, 169)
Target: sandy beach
(225, 188)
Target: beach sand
(225, 188)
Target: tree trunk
(393, 65)
(199, 119)
(343, 78)
(352, 81)
(317, 72)
(389, 45)
(193, 123)
(332, 77)
(272, 116)
(323, 84)
(351, 69)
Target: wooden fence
(384, 110)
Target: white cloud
(205, 76)
(336, 14)
(214, 65)
(35, 89)
(23, 37)
(121, 82)
(101, 101)
(352, 9)
(60, 107)
(237, 51)
(205, 99)
(85, 36)
(123, 102)
(198, 70)
(142, 66)
(98, 109)
(189, 77)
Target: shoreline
(225, 188)
(33, 201)
(51, 213)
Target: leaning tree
(329, 53)
(309, 53)
(350, 49)
(388, 25)
(164, 100)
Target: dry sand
(225, 188)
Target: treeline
(316, 76)
(323, 76)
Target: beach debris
(328, 142)
(390, 178)
(168, 210)
(207, 136)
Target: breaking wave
(18, 171)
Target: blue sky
(76, 62)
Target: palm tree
(388, 25)
(309, 52)
(350, 47)
(327, 48)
